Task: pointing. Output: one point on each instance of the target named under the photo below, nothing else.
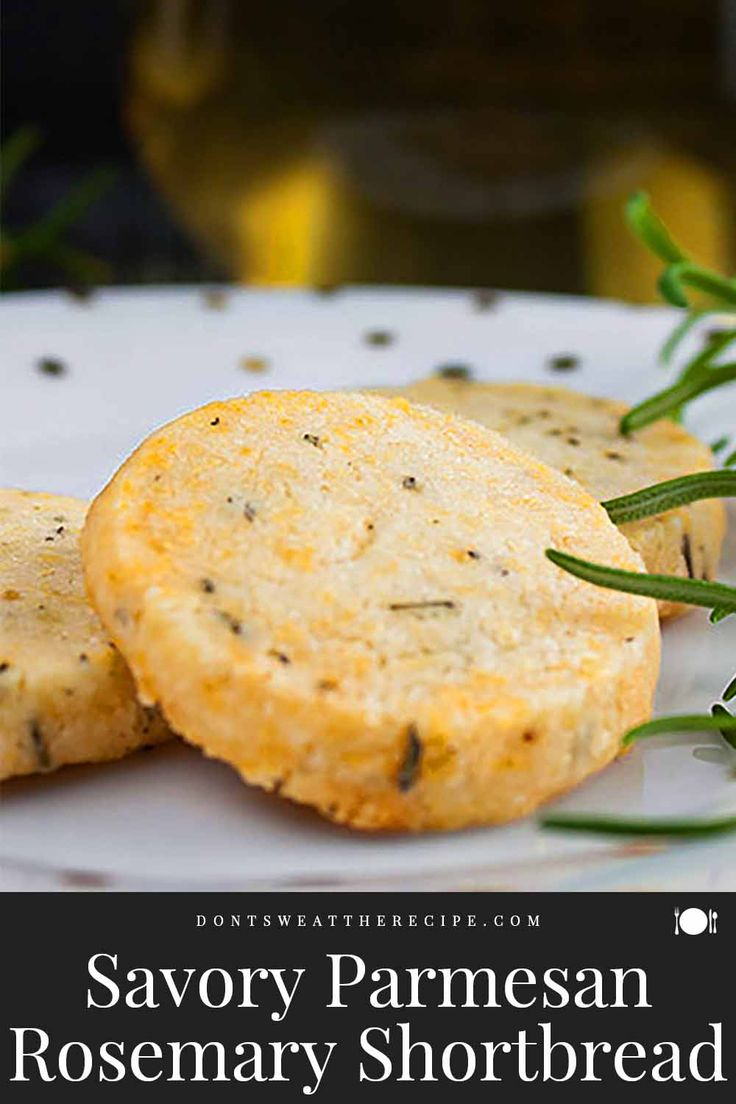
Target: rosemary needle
(730, 692)
(651, 230)
(671, 398)
(684, 274)
(671, 588)
(687, 722)
(726, 724)
(624, 826)
(661, 497)
(680, 331)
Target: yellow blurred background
(317, 142)
(436, 143)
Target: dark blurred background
(397, 141)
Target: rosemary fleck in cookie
(66, 695)
(579, 435)
(346, 598)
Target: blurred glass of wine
(420, 142)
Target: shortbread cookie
(579, 435)
(66, 695)
(346, 598)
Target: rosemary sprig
(668, 588)
(681, 275)
(670, 494)
(686, 722)
(704, 359)
(671, 399)
(719, 720)
(47, 233)
(651, 230)
(691, 319)
(700, 374)
(726, 724)
(684, 274)
(15, 152)
(45, 239)
(681, 271)
(625, 826)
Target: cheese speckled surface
(66, 695)
(346, 598)
(578, 434)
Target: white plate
(170, 819)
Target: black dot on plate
(379, 338)
(454, 371)
(485, 298)
(214, 298)
(255, 364)
(563, 362)
(51, 366)
(80, 293)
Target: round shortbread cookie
(66, 695)
(579, 435)
(346, 598)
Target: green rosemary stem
(685, 722)
(625, 826)
(650, 229)
(668, 588)
(684, 274)
(672, 398)
(726, 724)
(670, 494)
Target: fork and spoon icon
(694, 921)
